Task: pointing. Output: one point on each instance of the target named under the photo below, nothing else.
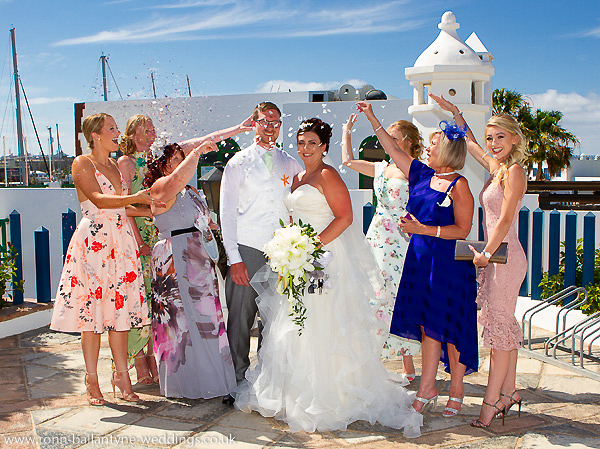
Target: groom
(253, 186)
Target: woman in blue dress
(437, 293)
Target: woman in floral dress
(189, 334)
(388, 243)
(101, 284)
(135, 146)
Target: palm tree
(507, 102)
(547, 140)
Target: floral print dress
(190, 341)
(101, 286)
(389, 247)
(139, 338)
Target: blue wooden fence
(534, 222)
(535, 239)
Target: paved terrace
(43, 403)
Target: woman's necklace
(447, 174)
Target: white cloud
(299, 86)
(594, 32)
(49, 100)
(581, 114)
(237, 19)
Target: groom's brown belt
(183, 231)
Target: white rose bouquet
(292, 253)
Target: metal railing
(570, 339)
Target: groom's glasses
(265, 123)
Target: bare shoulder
(516, 171)
(330, 180)
(517, 177)
(462, 187)
(330, 174)
(126, 163)
(82, 162)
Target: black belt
(183, 231)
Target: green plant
(7, 270)
(551, 285)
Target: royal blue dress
(436, 291)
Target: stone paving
(43, 405)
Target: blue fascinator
(452, 130)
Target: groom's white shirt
(252, 198)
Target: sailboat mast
(22, 163)
(103, 59)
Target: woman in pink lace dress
(501, 200)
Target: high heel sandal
(426, 402)
(129, 397)
(93, 400)
(479, 423)
(449, 412)
(145, 379)
(155, 378)
(409, 376)
(512, 402)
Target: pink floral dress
(101, 286)
(389, 247)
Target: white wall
(39, 207)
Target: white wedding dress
(331, 375)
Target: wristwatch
(487, 255)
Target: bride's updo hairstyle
(319, 127)
(156, 168)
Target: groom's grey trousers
(242, 308)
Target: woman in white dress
(389, 245)
(331, 375)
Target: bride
(331, 375)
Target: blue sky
(547, 50)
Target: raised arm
(474, 148)
(217, 136)
(390, 146)
(88, 188)
(364, 167)
(167, 187)
(337, 196)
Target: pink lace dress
(499, 283)
(101, 286)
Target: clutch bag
(462, 251)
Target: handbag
(209, 242)
(462, 251)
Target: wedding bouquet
(292, 252)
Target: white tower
(463, 75)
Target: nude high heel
(129, 397)
(93, 400)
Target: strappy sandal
(449, 412)
(479, 423)
(409, 376)
(129, 397)
(426, 402)
(92, 400)
(146, 378)
(512, 402)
